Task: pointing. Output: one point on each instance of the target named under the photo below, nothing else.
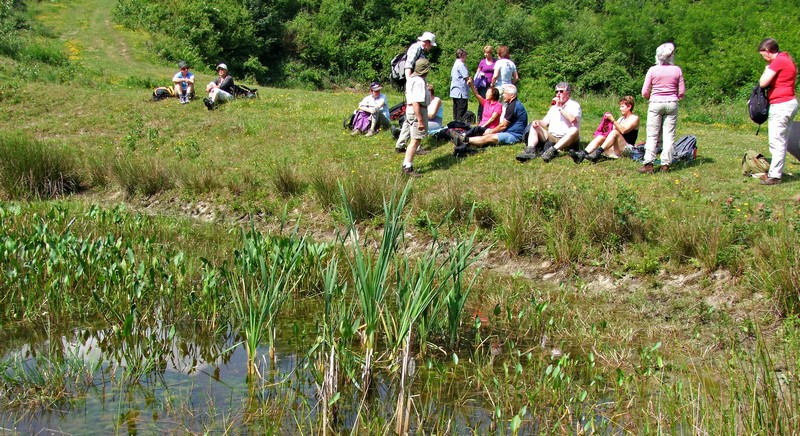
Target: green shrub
(30, 169)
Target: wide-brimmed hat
(422, 67)
(375, 86)
(428, 36)
(222, 67)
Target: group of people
(219, 90)
(503, 119)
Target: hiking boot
(664, 168)
(595, 155)
(409, 172)
(400, 150)
(549, 154)
(646, 169)
(528, 154)
(770, 181)
(209, 104)
(577, 156)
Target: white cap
(222, 67)
(428, 36)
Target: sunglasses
(560, 91)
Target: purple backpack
(362, 121)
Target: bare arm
(767, 77)
(471, 84)
(491, 120)
(631, 123)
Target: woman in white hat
(221, 89)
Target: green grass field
(662, 304)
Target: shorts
(508, 138)
(412, 123)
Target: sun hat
(183, 64)
(428, 36)
(222, 67)
(422, 67)
(665, 53)
(375, 86)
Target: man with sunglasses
(558, 130)
(183, 83)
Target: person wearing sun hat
(183, 82)
(417, 51)
(376, 106)
(221, 89)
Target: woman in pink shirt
(663, 87)
(780, 77)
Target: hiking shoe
(209, 104)
(595, 155)
(577, 156)
(664, 168)
(549, 154)
(370, 133)
(400, 150)
(528, 154)
(646, 169)
(355, 132)
(771, 181)
(409, 172)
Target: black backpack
(758, 106)
(397, 72)
(685, 149)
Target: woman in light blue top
(435, 107)
(459, 91)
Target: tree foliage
(602, 46)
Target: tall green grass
(30, 169)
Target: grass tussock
(287, 181)
(365, 191)
(777, 267)
(138, 175)
(200, 180)
(30, 169)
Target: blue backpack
(685, 148)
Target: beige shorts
(413, 123)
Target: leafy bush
(30, 169)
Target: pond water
(199, 385)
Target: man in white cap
(417, 50)
(221, 89)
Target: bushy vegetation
(601, 46)
(30, 169)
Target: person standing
(415, 125)
(417, 51)
(505, 71)
(663, 87)
(221, 89)
(459, 91)
(183, 82)
(780, 77)
(484, 74)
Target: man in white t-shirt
(560, 127)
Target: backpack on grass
(758, 106)
(754, 162)
(685, 148)
(163, 92)
(241, 91)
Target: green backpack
(754, 162)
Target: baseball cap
(222, 67)
(428, 36)
(183, 64)
(375, 86)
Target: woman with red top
(780, 77)
(663, 87)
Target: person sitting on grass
(509, 131)
(375, 108)
(183, 82)
(612, 137)
(220, 90)
(560, 127)
(491, 112)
